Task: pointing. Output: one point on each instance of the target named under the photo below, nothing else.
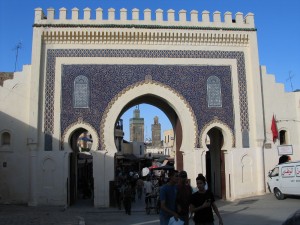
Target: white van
(284, 179)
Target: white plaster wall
(14, 107)
(286, 107)
(51, 182)
(137, 146)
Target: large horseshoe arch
(159, 95)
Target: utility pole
(18, 46)
(290, 80)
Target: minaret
(156, 133)
(136, 127)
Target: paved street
(259, 210)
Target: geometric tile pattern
(106, 81)
(148, 80)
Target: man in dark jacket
(183, 197)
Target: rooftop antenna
(290, 79)
(17, 47)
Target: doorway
(215, 164)
(80, 179)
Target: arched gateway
(168, 100)
(95, 71)
(202, 73)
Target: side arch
(79, 124)
(247, 169)
(229, 140)
(167, 95)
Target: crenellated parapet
(135, 17)
(150, 28)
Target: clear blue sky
(277, 22)
(148, 112)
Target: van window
(297, 171)
(275, 172)
(288, 171)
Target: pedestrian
(202, 204)
(168, 199)
(206, 183)
(183, 197)
(155, 185)
(133, 188)
(148, 188)
(127, 197)
(139, 188)
(118, 192)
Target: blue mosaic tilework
(108, 80)
(190, 81)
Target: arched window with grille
(81, 93)
(214, 95)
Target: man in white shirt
(148, 188)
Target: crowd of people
(178, 201)
(171, 194)
(129, 185)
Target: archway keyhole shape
(81, 140)
(80, 135)
(228, 140)
(215, 136)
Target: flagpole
(265, 135)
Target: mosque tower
(136, 127)
(156, 133)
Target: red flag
(274, 129)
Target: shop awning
(162, 158)
(130, 157)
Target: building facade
(203, 73)
(168, 143)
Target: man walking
(183, 197)
(148, 187)
(168, 199)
